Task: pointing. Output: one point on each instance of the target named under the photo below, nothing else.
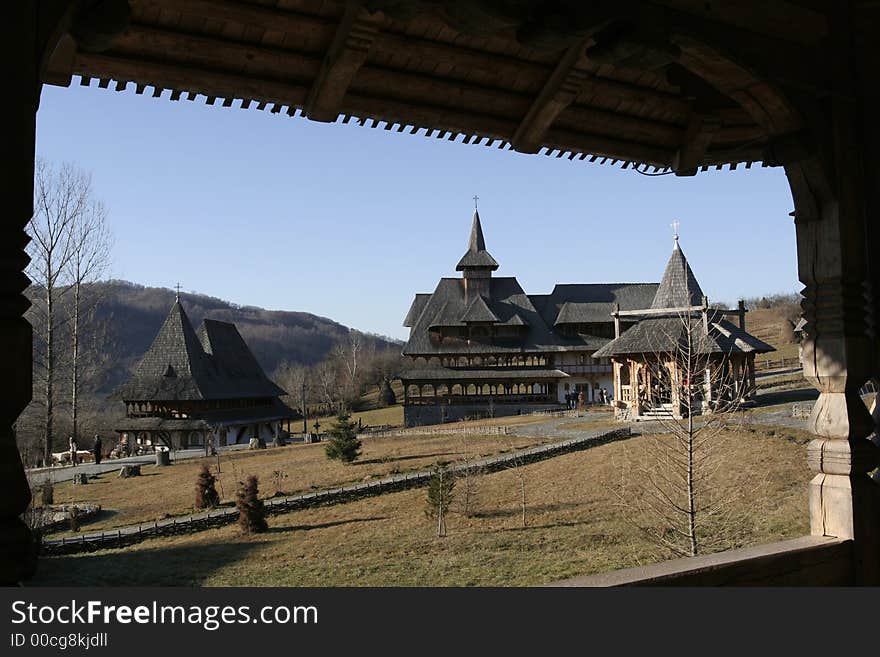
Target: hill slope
(128, 316)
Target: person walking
(96, 450)
(71, 444)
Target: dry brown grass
(171, 490)
(574, 527)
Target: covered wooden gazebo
(662, 86)
(681, 356)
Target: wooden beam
(59, 67)
(779, 19)
(560, 91)
(194, 80)
(657, 311)
(697, 138)
(348, 52)
(222, 84)
(388, 44)
(215, 54)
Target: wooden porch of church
(647, 382)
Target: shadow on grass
(323, 525)
(786, 396)
(537, 508)
(165, 566)
(405, 458)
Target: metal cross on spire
(476, 198)
(675, 224)
(177, 287)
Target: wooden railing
(428, 400)
(810, 560)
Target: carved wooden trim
(347, 54)
(558, 93)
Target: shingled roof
(479, 312)
(588, 303)
(181, 365)
(667, 334)
(678, 287)
(209, 420)
(505, 304)
(476, 257)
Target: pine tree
(343, 444)
(206, 493)
(440, 494)
(251, 512)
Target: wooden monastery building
(681, 357)
(197, 389)
(481, 346)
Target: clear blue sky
(349, 222)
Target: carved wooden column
(20, 36)
(834, 266)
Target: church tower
(476, 264)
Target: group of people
(576, 399)
(74, 449)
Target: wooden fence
(439, 431)
(776, 364)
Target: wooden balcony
(426, 400)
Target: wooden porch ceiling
(601, 86)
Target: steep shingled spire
(679, 286)
(175, 366)
(477, 257)
(477, 242)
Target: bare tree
(326, 378)
(441, 488)
(670, 489)
(292, 377)
(516, 466)
(90, 245)
(469, 473)
(350, 354)
(61, 196)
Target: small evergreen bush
(251, 511)
(343, 444)
(206, 492)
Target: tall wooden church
(481, 346)
(191, 389)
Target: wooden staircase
(659, 412)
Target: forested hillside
(128, 316)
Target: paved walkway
(66, 472)
(561, 427)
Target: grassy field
(574, 527)
(170, 490)
(391, 416)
